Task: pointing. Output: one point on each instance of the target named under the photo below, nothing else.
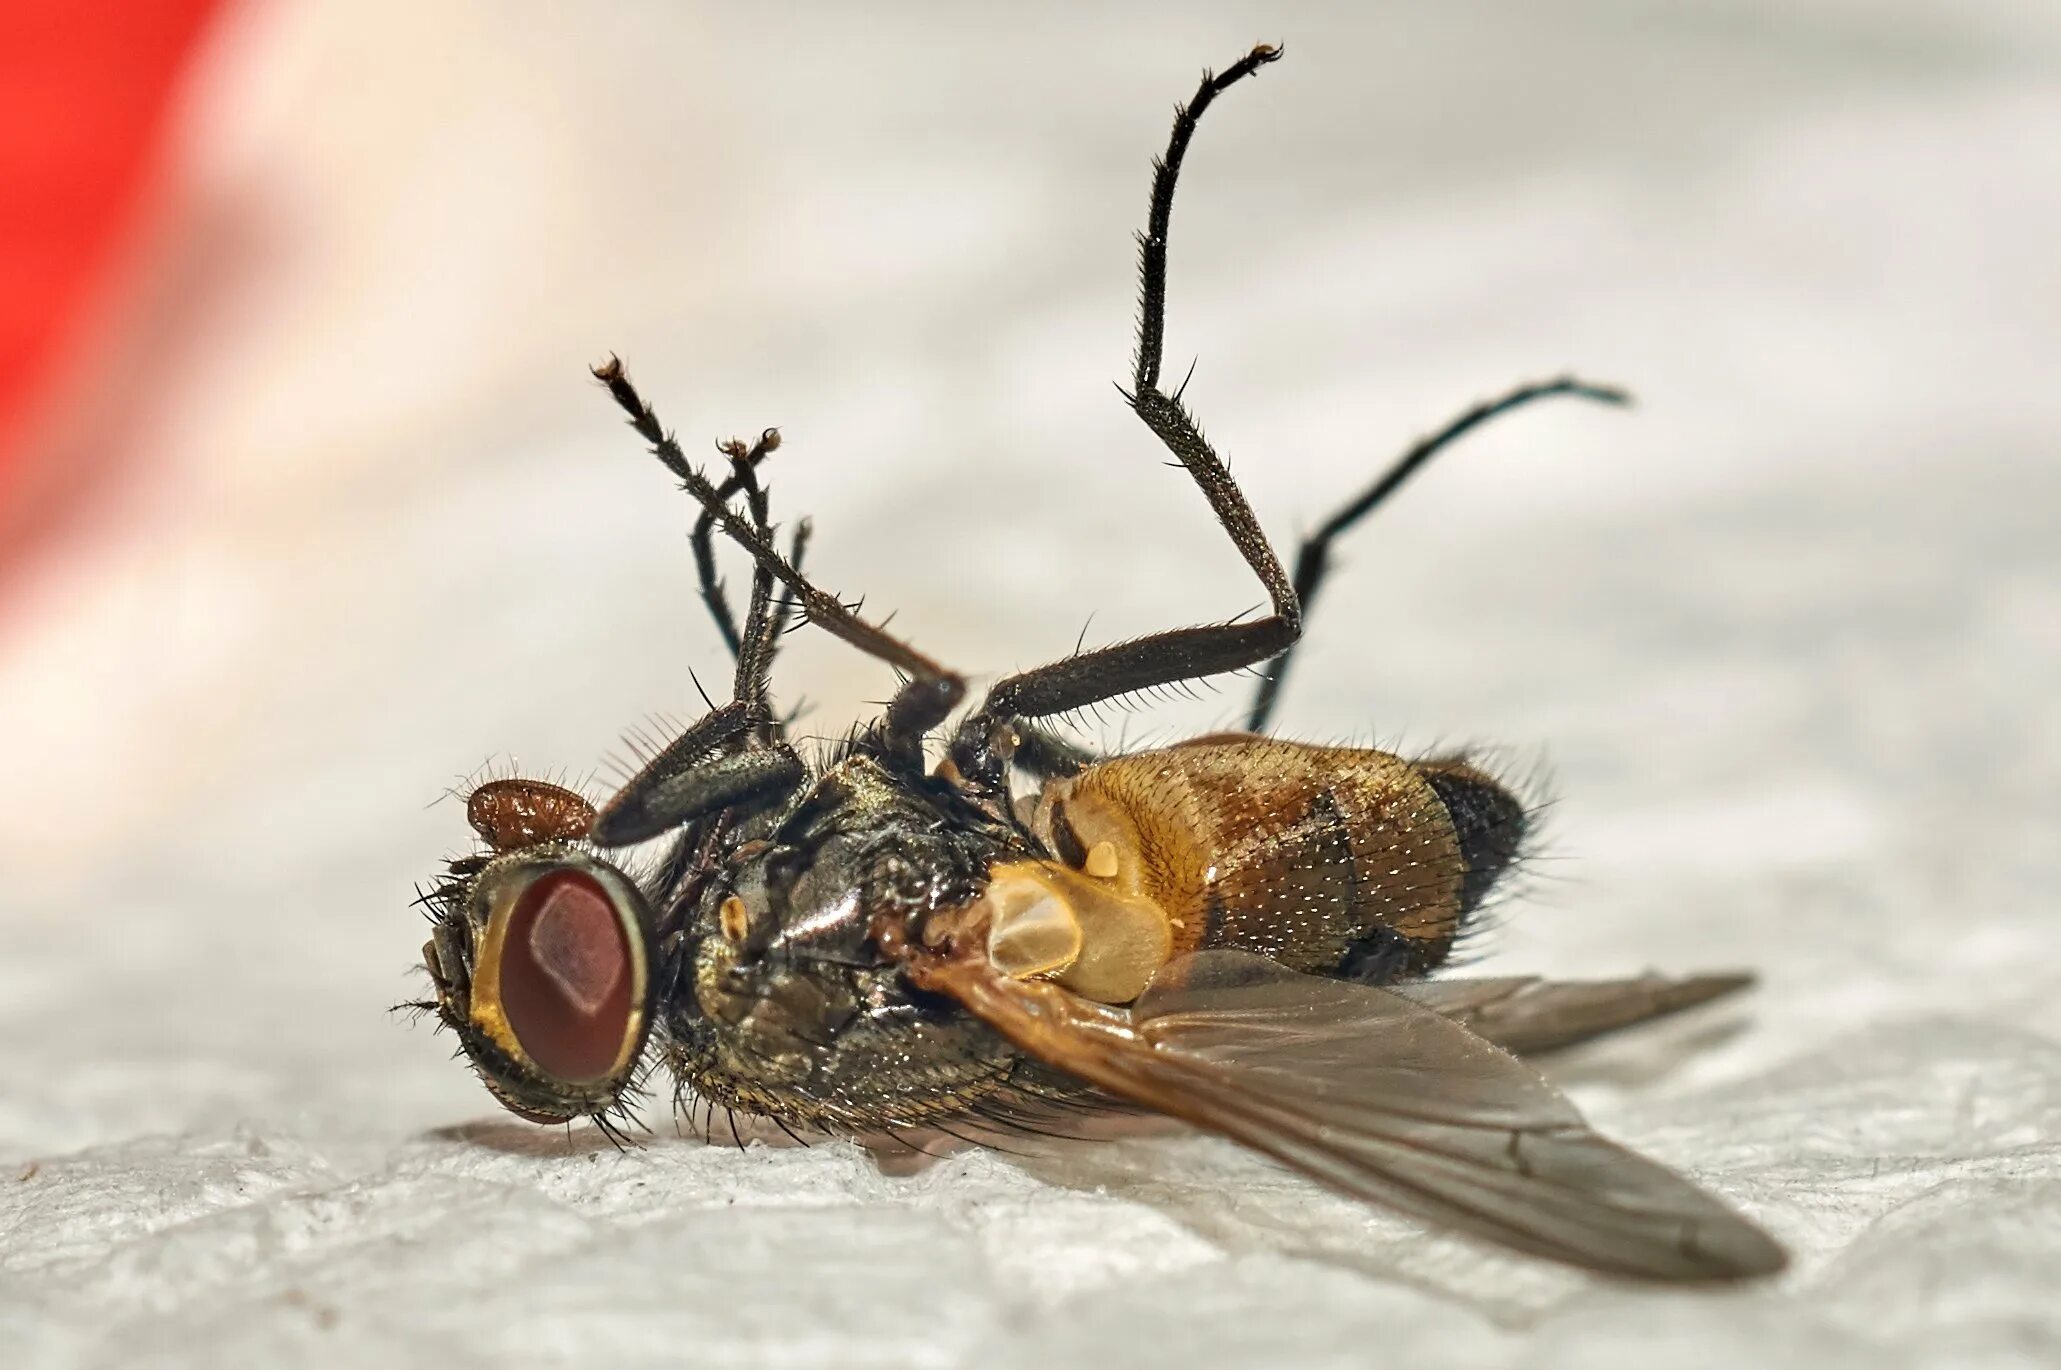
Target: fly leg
(981, 748)
(683, 784)
(1313, 561)
(736, 756)
(929, 691)
(752, 650)
(744, 463)
(765, 618)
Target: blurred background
(309, 511)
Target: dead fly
(1235, 931)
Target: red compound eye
(566, 976)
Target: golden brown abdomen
(1331, 860)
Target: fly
(1237, 931)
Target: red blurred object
(85, 93)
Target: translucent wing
(1380, 1098)
(1528, 1015)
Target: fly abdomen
(1340, 861)
(1489, 823)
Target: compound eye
(567, 972)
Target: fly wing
(1529, 1015)
(1380, 1098)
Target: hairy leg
(1314, 558)
(928, 694)
(1181, 653)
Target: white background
(1787, 638)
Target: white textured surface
(1789, 635)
